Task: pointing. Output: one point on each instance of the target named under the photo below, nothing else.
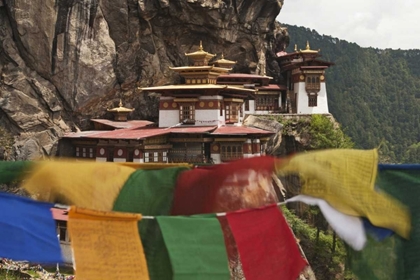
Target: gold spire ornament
(308, 49)
(120, 112)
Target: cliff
(64, 62)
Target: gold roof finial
(200, 57)
(120, 113)
(296, 48)
(308, 49)
(223, 57)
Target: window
(231, 151)
(313, 100)
(266, 102)
(247, 105)
(85, 152)
(231, 112)
(130, 157)
(156, 156)
(186, 113)
(313, 83)
(62, 231)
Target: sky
(369, 23)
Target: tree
(325, 134)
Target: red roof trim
(272, 87)
(242, 130)
(199, 129)
(59, 214)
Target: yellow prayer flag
(106, 245)
(345, 178)
(89, 184)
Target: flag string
(217, 214)
(61, 206)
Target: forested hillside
(373, 93)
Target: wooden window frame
(313, 83)
(232, 112)
(312, 100)
(231, 151)
(85, 152)
(187, 113)
(266, 102)
(156, 156)
(62, 231)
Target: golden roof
(308, 49)
(120, 109)
(200, 53)
(225, 61)
(199, 86)
(199, 68)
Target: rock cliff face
(63, 62)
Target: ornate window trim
(312, 100)
(312, 83)
(187, 113)
(232, 112)
(266, 102)
(231, 151)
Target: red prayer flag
(266, 245)
(245, 183)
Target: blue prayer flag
(378, 233)
(27, 230)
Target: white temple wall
(303, 98)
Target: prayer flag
(27, 231)
(345, 179)
(89, 184)
(13, 170)
(81, 183)
(150, 192)
(245, 183)
(377, 233)
(266, 245)
(196, 247)
(394, 257)
(106, 245)
(235, 265)
(348, 228)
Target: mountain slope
(373, 93)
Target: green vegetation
(325, 252)
(326, 255)
(14, 275)
(325, 136)
(373, 93)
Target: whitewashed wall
(302, 100)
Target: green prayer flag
(150, 193)
(395, 257)
(196, 247)
(13, 170)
